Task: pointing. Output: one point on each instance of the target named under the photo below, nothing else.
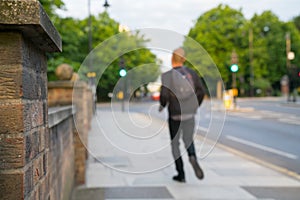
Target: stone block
(31, 146)
(10, 81)
(60, 96)
(29, 83)
(11, 186)
(42, 133)
(11, 151)
(29, 17)
(19, 116)
(11, 117)
(28, 181)
(33, 115)
(37, 169)
(10, 48)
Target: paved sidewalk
(122, 145)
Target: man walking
(183, 93)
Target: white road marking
(262, 147)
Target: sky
(174, 15)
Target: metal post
(90, 25)
(234, 88)
(288, 62)
(251, 62)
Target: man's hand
(160, 108)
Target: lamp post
(290, 56)
(105, 5)
(92, 75)
(251, 62)
(90, 25)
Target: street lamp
(92, 75)
(106, 5)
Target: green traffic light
(234, 68)
(122, 72)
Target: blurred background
(261, 38)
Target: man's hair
(178, 55)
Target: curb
(276, 168)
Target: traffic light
(234, 60)
(234, 68)
(122, 71)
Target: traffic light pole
(124, 94)
(234, 87)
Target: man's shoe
(198, 171)
(179, 179)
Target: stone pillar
(26, 34)
(79, 94)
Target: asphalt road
(269, 131)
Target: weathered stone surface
(10, 48)
(37, 169)
(12, 151)
(60, 97)
(11, 117)
(64, 72)
(28, 181)
(36, 162)
(10, 81)
(75, 77)
(29, 17)
(59, 114)
(31, 146)
(11, 185)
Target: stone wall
(79, 94)
(23, 117)
(36, 149)
(61, 155)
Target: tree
(111, 51)
(74, 50)
(75, 39)
(223, 29)
(296, 21)
(219, 31)
(270, 47)
(50, 6)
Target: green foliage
(115, 49)
(223, 29)
(296, 21)
(50, 6)
(263, 86)
(217, 30)
(75, 40)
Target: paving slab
(117, 159)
